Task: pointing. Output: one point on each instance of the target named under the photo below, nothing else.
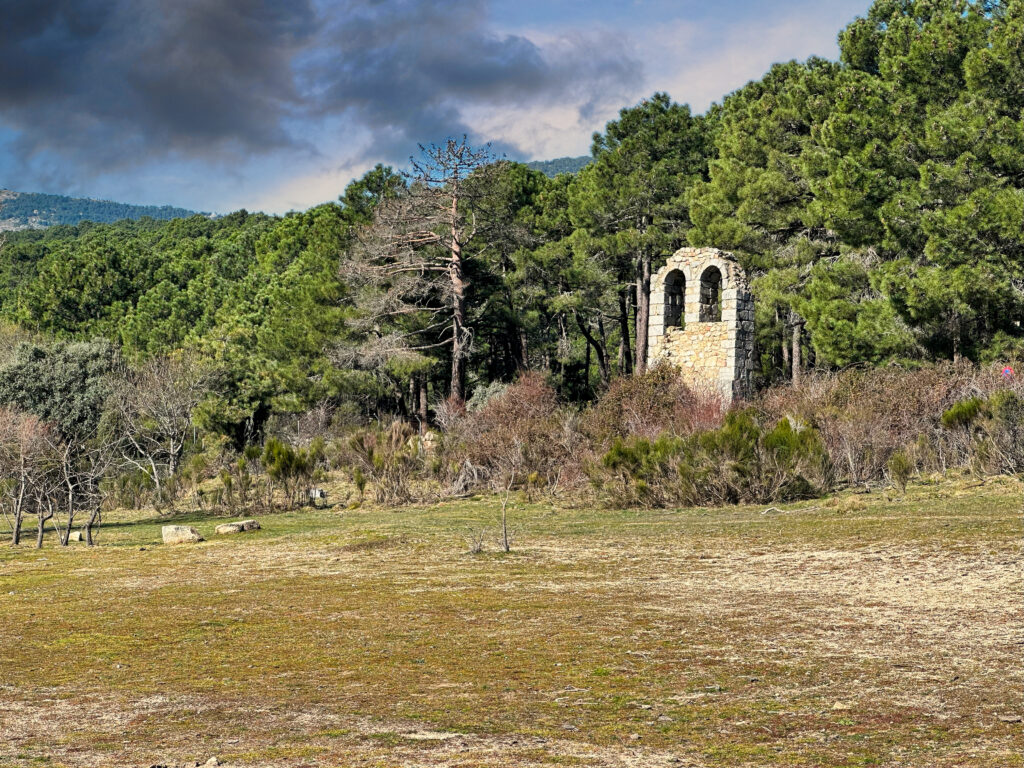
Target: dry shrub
(520, 437)
(649, 405)
(390, 456)
(325, 420)
(449, 412)
(866, 416)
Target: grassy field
(853, 631)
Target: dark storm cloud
(95, 85)
(105, 82)
(406, 68)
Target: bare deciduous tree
(155, 404)
(25, 461)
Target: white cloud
(701, 69)
(693, 63)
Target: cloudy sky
(276, 104)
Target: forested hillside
(29, 210)
(552, 168)
(877, 203)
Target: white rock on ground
(180, 534)
(239, 527)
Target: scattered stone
(180, 534)
(429, 441)
(76, 536)
(841, 707)
(1011, 719)
(213, 761)
(239, 527)
(430, 736)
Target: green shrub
(637, 472)
(294, 469)
(742, 461)
(901, 468)
(963, 413)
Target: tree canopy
(876, 203)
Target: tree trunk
(586, 369)
(957, 351)
(173, 456)
(785, 356)
(424, 414)
(606, 368)
(39, 530)
(16, 529)
(798, 327)
(625, 354)
(65, 534)
(643, 309)
(93, 520)
(459, 331)
(19, 508)
(599, 351)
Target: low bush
(651, 404)
(649, 441)
(293, 469)
(996, 428)
(901, 469)
(963, 413)
(741, 461)
(390, 457)
(518, 436)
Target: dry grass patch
(881, 632)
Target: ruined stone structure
(702, 320)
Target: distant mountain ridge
(35, 210)
(32, 210)
(559, 165)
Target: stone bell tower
(702, 320)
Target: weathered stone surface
(239, 527)
(76, 536)
(180, 534)
(718, 353)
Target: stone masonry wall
(717, 353)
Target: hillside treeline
(33, 209)
(876, 202)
